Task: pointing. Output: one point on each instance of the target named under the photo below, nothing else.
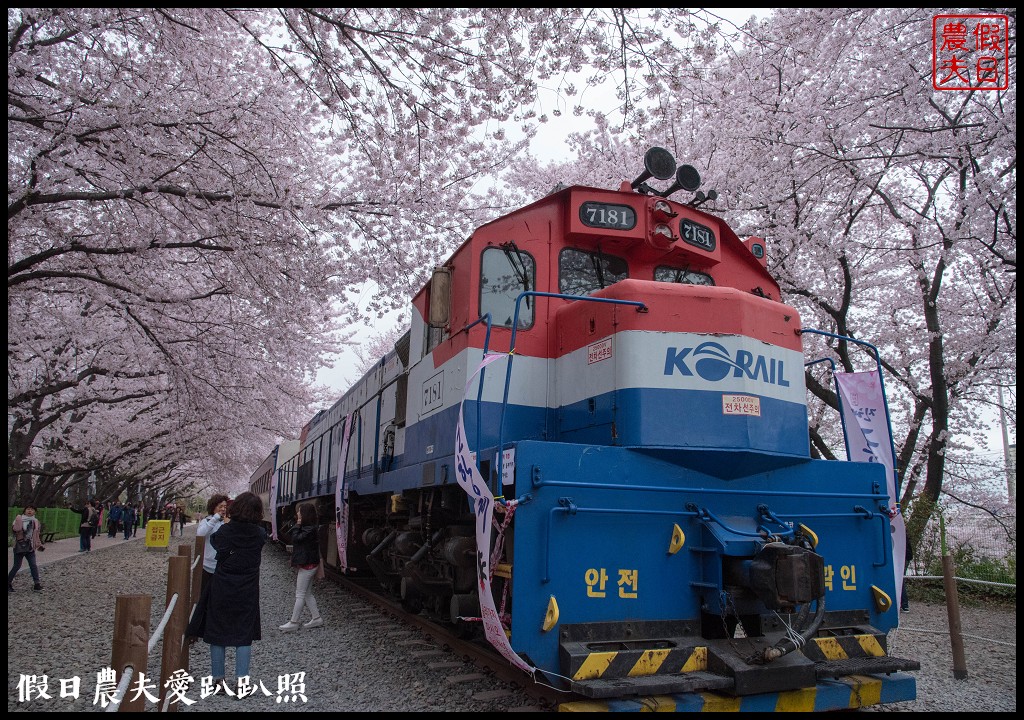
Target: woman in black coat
(232, 616)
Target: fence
(132, 644)
(983, 548)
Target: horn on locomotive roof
(700, 198)
(687, 178)
(659, 163)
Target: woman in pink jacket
(26, 542)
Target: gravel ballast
(362, 661)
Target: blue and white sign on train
(591, 450)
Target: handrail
(158, 633)
(641, 307)
(839, 399)
(122, 688)
(486, 317)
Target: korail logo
(713, 362)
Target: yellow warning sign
(158, 533)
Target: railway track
(478, 652)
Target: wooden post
(956, 639)
(197, 587)
(131, 644)
(174, 631)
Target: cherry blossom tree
(194, 194)
(892, 210)
(166, 292)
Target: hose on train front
(796, 637)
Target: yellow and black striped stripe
(853, 691)
(636, 663)
(845, 647)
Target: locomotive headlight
(661, 237)
(662, 211)
(664, 231)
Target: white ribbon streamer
(483, 506)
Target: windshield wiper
(596, 260)
(515, 259)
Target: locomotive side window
(581, 272)
(325, 457)
(663, 273)
(505, 272)
(434, 337)
(314, 460)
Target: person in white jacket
(217, 509)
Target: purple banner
(273, 500)
(867, 433)
(341, 499)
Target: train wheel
(411, 600)
(461, 606)
(464, 630)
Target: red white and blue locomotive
(656, 526)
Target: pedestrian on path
(908, 558)
(26, 541)
(217, 509)
(306, 561)
(90, 518)
(113, 520)
(127, 520)
(97, 520)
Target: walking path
(60, 549)
(360, 660)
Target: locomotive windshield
(581, 272)
(664, 273)
(503, 275)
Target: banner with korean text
(341, 498)
(273, 500)
(482, 501)
(869, 439)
